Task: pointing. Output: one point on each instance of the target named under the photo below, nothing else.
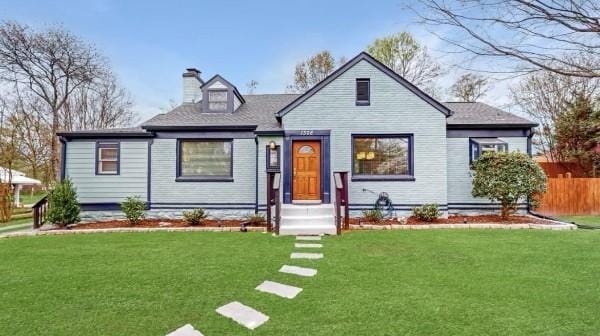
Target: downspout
(256, 176)
(63, 157)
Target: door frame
(320, 186)
(322, 136)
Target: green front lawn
(28, 198)
(430, 282)
(593, 221)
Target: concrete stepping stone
(306, 245)
(308, 237)
(300, 255)
(301, 271)
(186, 330)
(279, 289)
(244, 315)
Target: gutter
(256, 176)
(63, 157)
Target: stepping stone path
(252, 318)
(307, 245)
(308, 237)
(244, 315)
(279, 289)
(186, 330)
(301, 271)
(299, 255)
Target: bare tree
(51, 64)
(408, 58)
(537, 34)
(545, 96)
(470, 87)
(310, 72)
(251, 85)
(100, 104)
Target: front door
(306, 170)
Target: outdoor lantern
(272, 145)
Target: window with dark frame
(107, 158)
(382, 157)
(479, 146)
(217, 100)
(210, 159)
(363, 91)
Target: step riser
(307, 221)
(307, 211)
(293, 231)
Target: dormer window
(217, 100)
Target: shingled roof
(259, 111)
(480, 114)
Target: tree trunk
(54, 160)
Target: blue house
(214, 150)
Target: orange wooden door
(306, 170)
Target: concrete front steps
(307, 219)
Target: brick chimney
(191, 86)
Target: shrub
(507, 178)
(63, 208)
(256, 219)
(427, 212)
(133, 208)
(373, 216)
(195, 217)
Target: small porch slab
(308, 237)
(308, 245)
(297, 270)
(186, 330)
(244, 315)
(300, 255)
(279, 289)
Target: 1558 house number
(306, 132)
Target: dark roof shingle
(472, 114)
(259, 111)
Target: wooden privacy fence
(571, 196)
(5, 202)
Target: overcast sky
(150, 43)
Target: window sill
(107, 174)
(363, 103)
(375, 178)
(204, 179)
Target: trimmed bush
(133, 208)
(427, 212)
(195, 217)
(63, 208)
(508, 178)
(373, 216)
(256, 219)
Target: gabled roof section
(363, 56)
(220, 78)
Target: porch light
(272, 144)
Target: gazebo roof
(17, 177)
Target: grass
(27, 198)
(593, 221)
(430, 282)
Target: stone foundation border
(133, 229)
(561, 226)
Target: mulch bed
(482, 219)
(155, 223)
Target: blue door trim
(323, 137)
